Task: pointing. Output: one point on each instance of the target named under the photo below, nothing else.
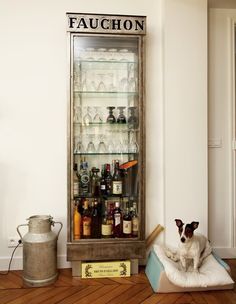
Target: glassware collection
(105, 122)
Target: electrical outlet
(13, 241)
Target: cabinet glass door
(106, 133)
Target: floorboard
(133, 290)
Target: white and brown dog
(192, 247)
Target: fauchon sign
(112, 24)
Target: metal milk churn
(40, 251)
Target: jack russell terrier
(192, 247)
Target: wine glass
(90, 146)
(133, 145)
(97, 118)
(121, 118)
(111, 118)
(87, 119)
(101, 85)
(101, 146)
(77, 114)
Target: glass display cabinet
(106, 139)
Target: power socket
(13, 242)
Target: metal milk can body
(40, 251)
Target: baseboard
(225, 253)
(17, 263)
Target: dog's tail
(173, 255)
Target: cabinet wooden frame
(113, 248)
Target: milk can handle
(60, 223)
(18, 230)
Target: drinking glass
(133, 119)
(87, 119)
(121, 118)
(111, 118)
(90, 146)
(97, 118)
(133, 145)
(101, 85)
(77, 114)
(101, 146)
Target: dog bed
(165, 275)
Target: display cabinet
(106, 138)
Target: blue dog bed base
(160, 282)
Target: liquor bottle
(117, 180)
(108, 179)
(75, 181)
(84, 183)
(76, 223)
(127, 223)
(107, 224)
(86, 221)
(103, 188)
(135, 221)
(96, 221)
(117, 216)
(95, 182)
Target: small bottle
(106, 224)
(95, 182)
(127, 223)
(117, 180)
(75, 181)
(84, 179)
(76, 223)
(103, 188)
(135, 221)
(86, 221)
(108, 179)
(117, 217)
(95, 221)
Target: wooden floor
(135, 289)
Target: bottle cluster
(89, 183)
(95, 218)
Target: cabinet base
(77, 267)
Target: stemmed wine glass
(87, 119)
(90, 146)
(97, 117)
(121, 118)
(101, 146)
(111, 118)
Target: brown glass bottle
(96, 221)
(107, 224)
(117, 180)
(76, 222)
(86, 221)
(117, 217)
(127, 223)
(108, 179)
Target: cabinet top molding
(106, 24)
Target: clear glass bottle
(135, 221)
(84, 180)
(95, 182)
(117, 180)
(75, 181)
(117, 217)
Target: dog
(192, 246)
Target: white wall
(33, 106)
(185, 102)
(221, 116)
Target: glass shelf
(113, 153)
(105, 93)
(113, 62)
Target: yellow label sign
(106, 269)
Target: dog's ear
(179, 223)
(194, 225)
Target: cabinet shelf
(108, 153)
(104, 94)
(92, 62)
